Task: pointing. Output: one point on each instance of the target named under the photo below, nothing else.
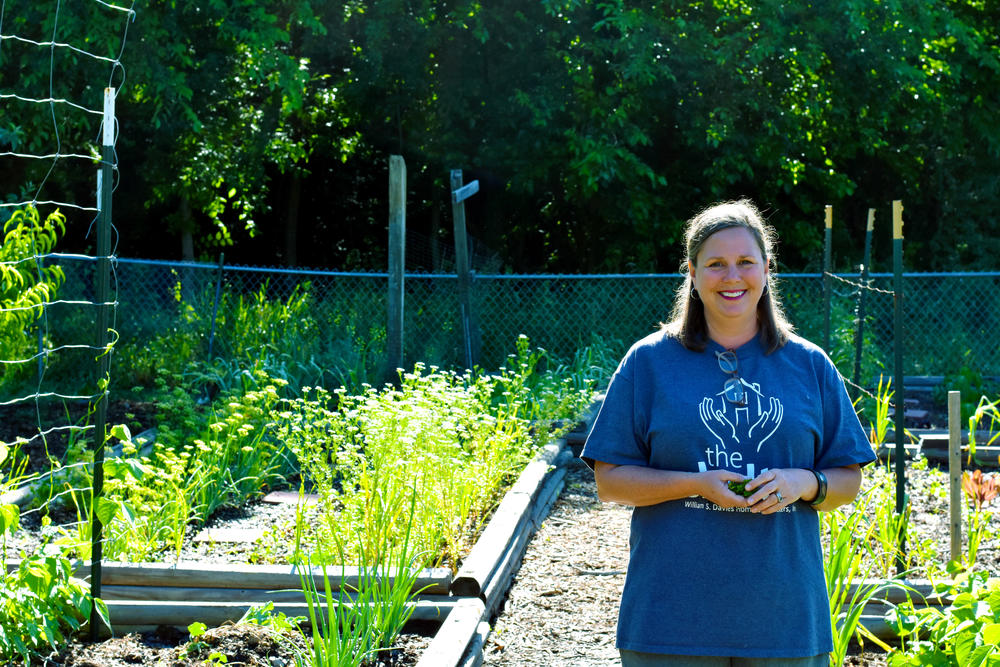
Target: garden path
(563, 606)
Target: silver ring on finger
(777, 494)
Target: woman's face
(730, 275)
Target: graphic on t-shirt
(732, 424)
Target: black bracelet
(821, 490)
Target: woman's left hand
(778, 488)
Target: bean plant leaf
(106, 510)
(9, 516)
(122, 432)
(118, 468)
(991, 634)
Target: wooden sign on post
(470, 333)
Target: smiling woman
(726, 393)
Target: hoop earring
(694, 294)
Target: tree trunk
(187, 235)
(292, 220)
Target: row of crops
(406, 473)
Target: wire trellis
(72, 107)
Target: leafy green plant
(849, 539)
(986, 414)
(236, 457)
(457, 438)
(41, 604)
(966, 632)
(883, 402)
(26, 283)
(979, 489)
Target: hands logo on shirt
(759, 418)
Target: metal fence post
(897, 296)
(859, 332)
(827, 269)
(103, 289)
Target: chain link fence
(949, 319)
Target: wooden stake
(955, 471)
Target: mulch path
(563, 607)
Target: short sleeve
(844, 440)
(615, 436)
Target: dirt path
(563, 606)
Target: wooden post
(397, 263)
(470, 336)
(103, 292)
(955, 471)
(900, 425)
(859, 331)
(827, 269)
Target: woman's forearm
(640, 486)
(842, 487)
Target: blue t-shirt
(704, 580)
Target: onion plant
(849, 572)
(360, 622)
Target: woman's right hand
(715, 487)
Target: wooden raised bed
(142, 596)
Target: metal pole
(859, 332)
(103, 290)
(955, 471)
(397, 263)
(827, 270)
(897, 295)
(40, 264)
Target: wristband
(821, 487)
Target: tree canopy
(594, 127)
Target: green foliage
(455, 438)
(574, 113)
(966, 632)
(149, 501)
(360, 622)
(970, 384)
(26, 284)
(850, 539)
(41, 605)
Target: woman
(726, 392)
